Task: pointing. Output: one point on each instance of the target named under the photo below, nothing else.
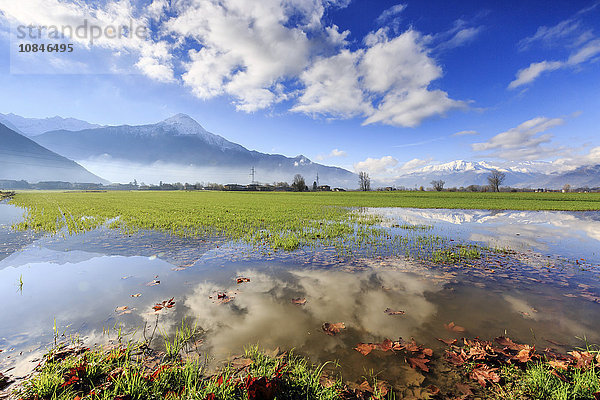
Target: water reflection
(569, 234)
(81, 280)
(262, 311)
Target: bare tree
(566, 188)
(438, 185)
(364, 182)
(298, 185)
(495, 179)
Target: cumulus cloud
(375, 165)
(153, 56)
(524, 142)
(465, 133)
(262, 53)
(388, 169)
(388, 82)
(570, 34)
(333, 154)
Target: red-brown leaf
(419, 363)
(299, 301)
(452, 327)
(483, 373)
(333, 329)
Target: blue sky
(382, 86)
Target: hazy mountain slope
(23, 159)
(36, 126)
(586, 176)
(179, 148)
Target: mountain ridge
(181, 142)
(23, 159)
(36, 126)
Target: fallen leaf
(136, 295)
(240, 363)
(482, 374)
(164, 304)
(120, 309)
(365, 387)
(454, 328)
(419, 363)
(389, 311)
(584, 358)
(525, 353)
(428, 352)
(242, 279)
(365, 348)
(464, 389)
(506, 342)
(333, 329)
(386, 345)
(153, 283)
(558, 364)
(453, 358)
(299, 300)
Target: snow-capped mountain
(37, 126)
(180, 149)
(532, 174)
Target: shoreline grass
(486, 370)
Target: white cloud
(261, 53)
(523, 142)
(390, 12)
(460, 38)
(410, 108)
(388, 169)
(585, 53)
(529, 74)
(332, 88)
(549, 35)
(571, 161)
(333, 154)
(387, 82)
(465, 133)
(569, 34)
(413, 164)
(153, 56)
(252, 45)
(375, 165)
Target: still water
(546, 292)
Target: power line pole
(317, 179)
(252, 172)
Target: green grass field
(280, 220)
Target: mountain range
(179, 149)
(36, 126)
(23, 159)
(528, 174)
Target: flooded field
(536, 280)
